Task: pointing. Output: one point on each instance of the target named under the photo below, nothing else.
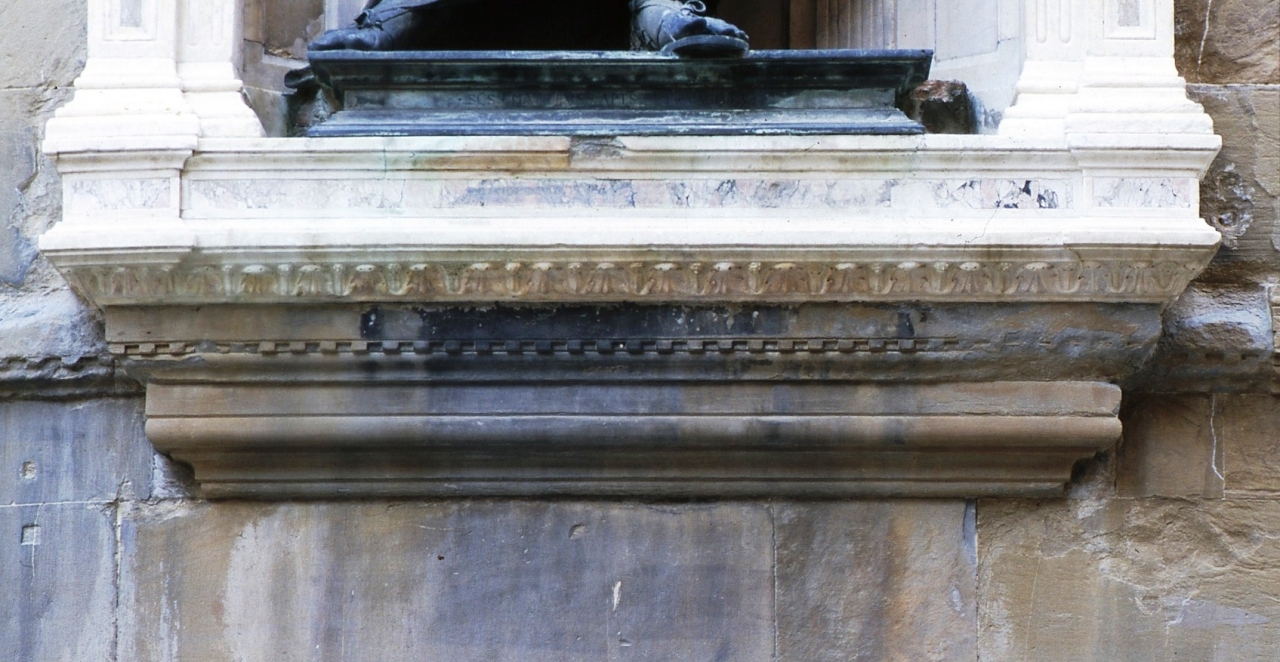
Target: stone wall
(44, 329)
(1167, 548)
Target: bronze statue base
(618, 93)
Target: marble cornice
(678, 316)
(1002, 285)
(548, 281)
(545, 219)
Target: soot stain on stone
(905, 328)
(371, 324)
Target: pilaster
(121, 142)
(1053, 38)
(208, 63)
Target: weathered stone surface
(288, 26)
(875, 581)
(29, 190)
(1249, 427)
(1122, 580)
(1119, 580)
(1222, 319)
(1240, 195)
(942, 106)
(1170, 448)
(44, 42)
(1216, 337)
(457, 581)
(57, 567)
(92, 450)
(48, 323)
(1231, 41)
(17, 168)
(39, 316)
(522, 580)
(30, 199)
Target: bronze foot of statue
(382, 26)
(668, 26)
(680, 27)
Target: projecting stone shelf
(558, 284)
(676, 316)
(673, 401)
(617, 93)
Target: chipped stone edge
(1275, 329)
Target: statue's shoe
(687, 33)
(707, 45)
(374, 30)
(355, 39)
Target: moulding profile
(632, 315)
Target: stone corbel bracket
(656, 316)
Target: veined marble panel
(94, 195)
(1148, 192)
(538, 192)
(626, 193)
(982, 194)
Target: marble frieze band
(547, 281)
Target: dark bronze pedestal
(617, 93)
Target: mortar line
(35, 522)
(42, 504)
(773, 534)
(115, 611)
(1213, 435)
(1204, 37)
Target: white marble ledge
(609, 259)
(907, 231)
(660, 219)
(1005, 232)
(960, 154)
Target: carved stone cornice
(813, 400)
(686, 316)
(582, 281)
(698, 219)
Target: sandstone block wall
(1167, 548)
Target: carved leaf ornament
(640, 281)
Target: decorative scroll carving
(641, 281)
